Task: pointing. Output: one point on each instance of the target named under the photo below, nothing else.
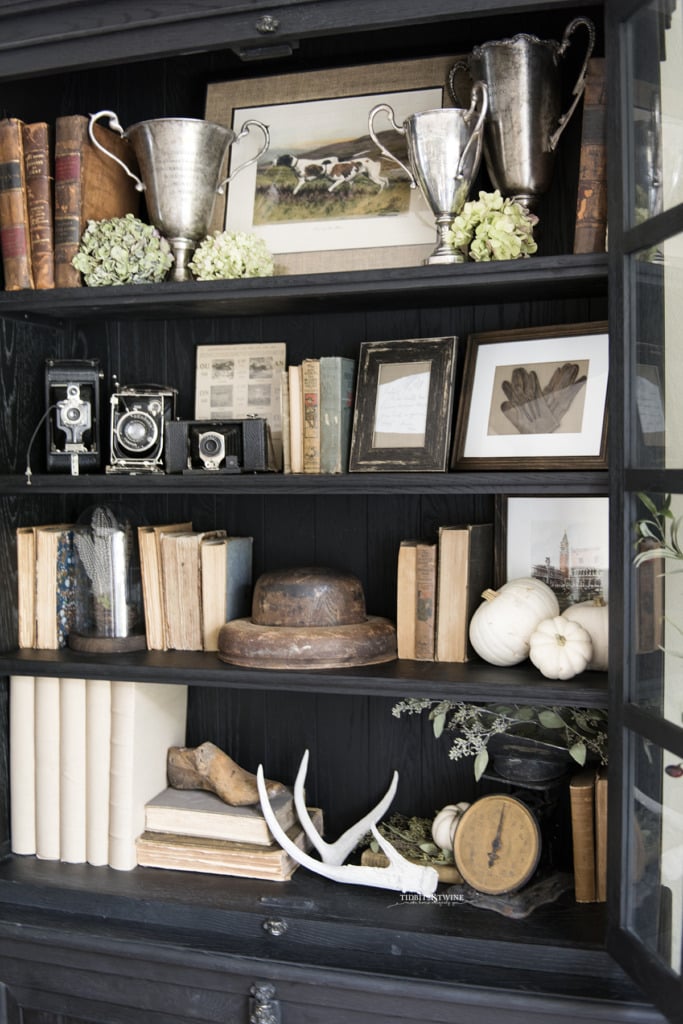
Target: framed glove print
(534, 399)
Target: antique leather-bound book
(88, 186)
(590, 234)
(38, 176)
(14, 230)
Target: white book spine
(22, 765)
(47, 742)
(72, 770)
(97, 760)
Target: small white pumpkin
(560, 648)
(594, 617)
(501, 626)
(446, 822)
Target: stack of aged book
(52, 182)
(588, 809)
(317, 415)
(439, 586)
(85, 757)
(192, 830)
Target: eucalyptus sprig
(580, 730)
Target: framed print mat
(322, 197)
(404, 401)
(535, 398)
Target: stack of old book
(193, 830)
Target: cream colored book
(48, 775)
(97, 759)
(194, 812)
(22, 765)
(220, 857)
(151, 578)
(26, 585)
(72, 762)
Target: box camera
(139, 416)
(218, 446)
(72, 398)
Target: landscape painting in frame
(323, 197)
(562, 541)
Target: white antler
(401, 874)
(337, 852)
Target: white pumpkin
(560, 648)
(501, 626)
(594, 617)
(446, 822)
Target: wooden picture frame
(404, 405)
(562, 540)
(328, 225)
(534, 399)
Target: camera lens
(211, 448)
(73, 414)
(136, 431)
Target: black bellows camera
(218, 446)
(72, 400)
(139, 416)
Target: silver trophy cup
(180, 161)
(444, 151)
(524, 121)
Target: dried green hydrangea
(230, 254)
(493, 228)
(122, 250)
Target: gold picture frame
(326, 112)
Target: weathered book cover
(226, 567)
(425, 601)
(310, 386)
(406, 599)
(26, 585)
(601, 834)
(582, 810)
(465, 570)
(590, 234)
(88, 186)
(151, 578)
(337, 384)
(296, 420)
(195, 812)
(38, 173)
(181, 575)
(221, 857)
(14, 223)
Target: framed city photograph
(563, 541)
(404, 401)
(323, 197)
(534, 398)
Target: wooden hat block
(307, 618)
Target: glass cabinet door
(645, 183)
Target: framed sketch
(535, 398)
(322, 197)
(563, 541)
(404, 401)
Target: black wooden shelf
(471, 681)
(540, 277)
(579, 482)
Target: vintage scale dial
(497, 844)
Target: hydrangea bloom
(122, 250)
(230, 254)
(493, 228)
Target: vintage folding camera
(218, 446)
(72, 400)
(139, 416)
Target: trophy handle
(385, 108)
(460, 65)
(480, 94)
(252, 160)
(115, 126)
(581, 80)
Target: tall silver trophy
(525, 120)
(444, 152)
(180, 161)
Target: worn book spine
(310, 387)
(38, 172)
(72, 761)
(26, 586)
(14, 222)
(22, 764)
(425, 601)
(601, 834)
(296, 420)
(590, 233)
(406, 599)
(582, 812)
(465, 570)
(337, 382)
(284, 414)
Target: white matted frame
(535, 398)
(314, 115)
(563, 541)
